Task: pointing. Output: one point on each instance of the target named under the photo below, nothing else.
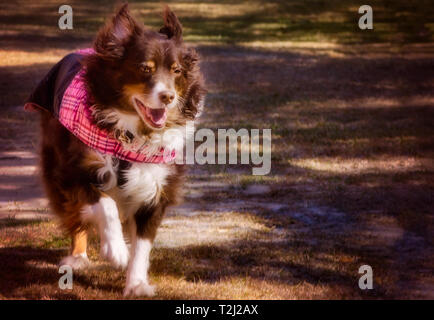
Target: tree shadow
(315, 104)
(271, 262)
(20, 272)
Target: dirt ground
(352, 179)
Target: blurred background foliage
(230, 22)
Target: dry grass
(204, 257)
(352, 175)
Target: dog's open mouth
(154, 117)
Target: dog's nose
(166, 96)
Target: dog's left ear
(195, 94)
(194, 100)
(172, 27)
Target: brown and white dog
(144, 83)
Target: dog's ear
(112, 39)
(172, 27)
(190, 59)
(195, 93)
(194, 100)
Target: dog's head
(142, 80)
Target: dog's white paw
(141, 289)
(116, 251)
(76, 262)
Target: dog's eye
(146, 69)
(175, 68)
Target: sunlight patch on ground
(292, 44)
(24, 58)
(354, 166)
(208, 10)
(18, 170)
(177, 231)
(17, 155)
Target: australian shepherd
(143, 83)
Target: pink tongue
(157, 114)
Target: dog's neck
(128, 129)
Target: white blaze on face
(151, 108)
(155, 96)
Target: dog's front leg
(105, 214)
(143, 230)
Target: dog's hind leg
(79, 242)
(78, 258)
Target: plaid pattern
(76, 116)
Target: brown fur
(68, 166)
(68, 183)
(79, 242)
(120, 52)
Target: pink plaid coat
(75, 114)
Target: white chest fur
(144, 182)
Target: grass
(258, 262)
(352, 146)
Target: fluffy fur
(144, 84)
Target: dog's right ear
(112, 39)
